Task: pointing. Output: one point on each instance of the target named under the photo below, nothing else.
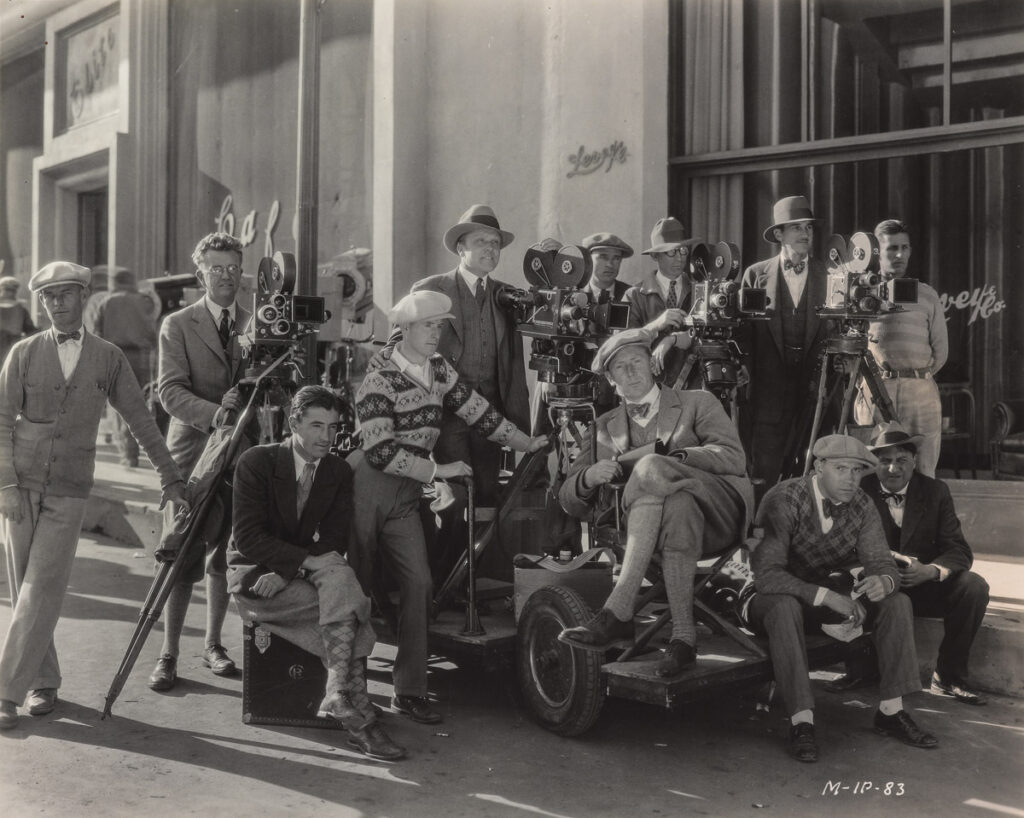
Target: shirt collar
(300, 462)
(418, 372)
(215, 309)
(653, 398)
(472, 279)
(663, 284)
(81, 336)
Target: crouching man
(286, 569)
(689, 496)
(814, 526)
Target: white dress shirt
(215, 310)
(472, 279)
(654, 399)
(69, 352)
(794, 281)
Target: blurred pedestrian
(15, 321)
(98, 291)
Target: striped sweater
(400, 418)
(914, 339)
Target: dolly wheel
(562, 685)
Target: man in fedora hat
(783, 350)
(910, 347)
(660, 301)
(606, 254)
(691, 502)
(53, 389)
(814, 527)
(934, 561)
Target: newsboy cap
(419, 306)
(478, 217)
(893, 434)
(59, 272)
(832, 447)
(598, 241)
(786, 211)
(638, 337)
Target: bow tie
(830, 509)
(68, 336)
(638, 410)
(894, 499)
(796, 268)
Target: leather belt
(890, 373)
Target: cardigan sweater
(400, 418)
(48, 425)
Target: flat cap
(638, 337)
(59, 272)
(832, 447)
(419, 306)
(893, 434)
(9, 283)
(610, 241)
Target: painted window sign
(981, 301)
(584, 162)
(90, 60)
(225, 223)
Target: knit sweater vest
(642, 435)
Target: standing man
(125, 318)
(98, 291)
(53, 388)
(815, 526)
(15, 321)
(783, 350)
(606, 254)
(200, 364)
(921, 525)
(910, 347)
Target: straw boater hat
(786, 211)
(610, 241)
(638, 337)
(668, 234)
(419, 306)
(59, 272)
(893, 434)
(476, 218)
(834, 447)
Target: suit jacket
(194, 374)
(267, 535)
(691, 420)
(762, 340)
(646, 301)
(511, 369)
(930, 531)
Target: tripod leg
(819, 405)
(879, 394)
(848, 395)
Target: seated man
(920, 524)
(286, 569)
(813, 526)
(692, 500)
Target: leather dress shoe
(852, 681)
(216, 658)
(901, 726)
(372, 741)
(338, 706)
(678, 655)
(600, 633)
(41, 701)
(802, 744)
(165, 674)
(8, 714)
(416, 707)
(955, 690)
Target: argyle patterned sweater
(400, 418)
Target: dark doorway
(92, 228)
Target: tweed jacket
(762, 340)
(511, 368)
(692, 421)
(48, 425)
(194, 374)
(930, 531)
(796, 556)
(646, 301)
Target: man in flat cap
(686, 495)
(934, 561)
(15, 321)
(816, 529)
(783, 350)
(661, 299)
(200, 364)
(53, 388)
(402, 407)
(606, 254)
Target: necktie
(796, 268)
(224, 330)
(481, 292)
(830, 509)
(68, 336)
(303, 489)
(673, 299)
(893, 499)
(638, 410)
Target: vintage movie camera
(719, 304)
(346, 284)
(563, 320)
(856, 289)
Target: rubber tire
(561, 685)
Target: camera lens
(279, 300)
(281, 327)
(267, 314)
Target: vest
(478, 366)
(794, 323)
(642, 435)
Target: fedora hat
(668, 234)
(786, 211)
(893, 434)
(476, 218)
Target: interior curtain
(713, 112)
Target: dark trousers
(785, 619)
